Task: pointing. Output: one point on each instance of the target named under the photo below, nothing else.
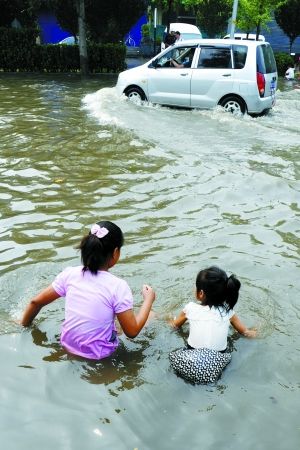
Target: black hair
(219, 289)
(95, 252)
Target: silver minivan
(241, 76)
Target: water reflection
(124, 366)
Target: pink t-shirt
(92, 301)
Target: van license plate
(273, 92)
(272, 87)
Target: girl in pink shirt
(94, 297)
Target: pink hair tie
(98, 231)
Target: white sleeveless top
(208, 326)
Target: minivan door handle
(226, 75)
(184, 74)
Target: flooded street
(189, 189)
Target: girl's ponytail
(98, 246)
(92, 253)
(232, 291)
(219, 290)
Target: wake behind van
(239, 75)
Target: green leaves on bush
(106, 57)
(16, 48)
(282, 61)
(20, 53)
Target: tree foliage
(66, 14)
(25, 11)
(167, 5)
(287, 16)
(107, 21)
(212, 15)
(255, 14)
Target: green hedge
(20, 53)
(16, 48)
(282, 61)
(106, 57)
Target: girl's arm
(45, 297)
(177, 322)
(132, 324)
(241, 328)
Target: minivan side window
(215, 58)
(239, 56)
(265, 59)
(182, 55)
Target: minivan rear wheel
(233, 104)
(135, 94)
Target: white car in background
(186, 30)
(239, 75)
(70, 40)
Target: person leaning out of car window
(177, 36)
(170, 39)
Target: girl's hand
(45, 297)
(178, 321)
(171, 322)
(148, 293)
(132, 324)
(250, 333)
(241, 328)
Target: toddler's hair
(96, 251)
(219, 289)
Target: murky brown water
(189, 189)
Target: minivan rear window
(239, 56)
(215, 58)
(265, 59)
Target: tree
(255, 14)
(109, 21)
(8, 12)
(80, 6)
(287, 16)
(25, 11)
(66, 15)
(212, 15)
(71, 17)
(106, 21)
(167, 6)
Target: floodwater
(189, 189)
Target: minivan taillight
(261, 83)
